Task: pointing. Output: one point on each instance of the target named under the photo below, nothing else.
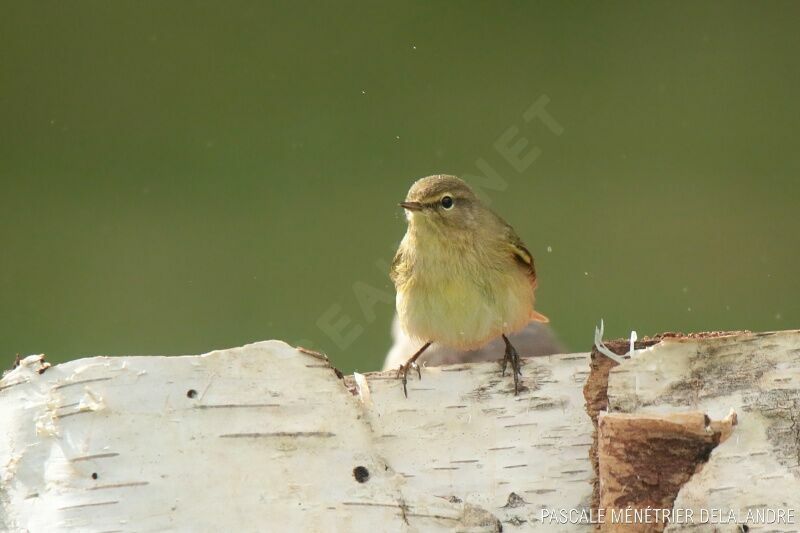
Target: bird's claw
(412, 361)
(511, 356)
(404, 370)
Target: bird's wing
(525, 260)
(521, 254)
(395, 272)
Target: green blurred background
(178, 177)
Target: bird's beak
(411, 206)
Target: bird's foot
(404, 371)
(412, 362)
(512, 357)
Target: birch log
(269, 438)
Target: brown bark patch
(644, 460)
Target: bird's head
(443, 204)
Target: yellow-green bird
(463, 276)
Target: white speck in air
(549, 249)
(778, 316)
(689, 309)
(685, 290)
(585, 273)
(363, 92)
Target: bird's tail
(539, 317)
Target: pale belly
(463, 313)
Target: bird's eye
(447, 202)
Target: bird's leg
(411, 362)
(511, 356)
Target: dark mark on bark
(322, 434)
(720, 489)
(361, 474)
(73, 413)
(436, 516)
(83, 381)
(236, 405)
(93, 457)
(514, 500)
(404, 509)
(455, 368)
(541, 404)
(401, 506)
(96, 504)
(120, 485)
(20, 382)
(516, 521)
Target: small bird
(463, 276)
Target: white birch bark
(268, 438)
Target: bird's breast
(463, 298)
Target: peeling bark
(644, 460)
